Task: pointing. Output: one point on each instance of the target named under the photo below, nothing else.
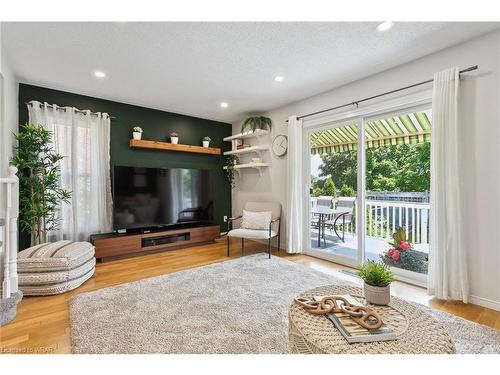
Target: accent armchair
(272, 229)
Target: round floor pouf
(54, 268)
(417, 332)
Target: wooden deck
(349, 248)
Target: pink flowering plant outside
(399, 245)
(402, 255)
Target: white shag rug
(237, 306)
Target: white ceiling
(191, 67)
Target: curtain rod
(356, 103)
(77, 110)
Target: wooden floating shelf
(256, 149)
(165, 146)
(256, 133)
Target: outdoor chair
(324, 201)
(346, 204)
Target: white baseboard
(485, 302)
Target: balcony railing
(383, 216)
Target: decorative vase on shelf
(377, 295)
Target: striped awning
(410, 128)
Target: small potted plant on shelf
(377, 279)
(174, 138)
(254, 123)
(137, 133)
(206, 141)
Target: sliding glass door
(333, 192)
(368, 196)
(397, 195)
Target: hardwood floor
(42, 323)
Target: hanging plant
(39, 174)
(256, 122)
(228, 165)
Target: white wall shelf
(258, 166)
(250, 134)
(257, 149)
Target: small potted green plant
(377, 282)
(137, 132)
(254, 123)
(174, 138)
(206, 141)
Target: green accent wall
(156, 125)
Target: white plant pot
(174, 140)
(206, 143)
(377, 295)
(137, 135)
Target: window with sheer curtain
(82, 137)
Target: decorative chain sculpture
(364, 316)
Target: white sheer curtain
(295, 186)
(83, 140)
(447, 259)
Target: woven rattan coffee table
(417, 332)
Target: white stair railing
(10, 187)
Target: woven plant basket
(377, 295)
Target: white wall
(480, 159)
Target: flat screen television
(152, 197)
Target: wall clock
(280, 145)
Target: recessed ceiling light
(224, 105)
(99, 74)
(384, 26)
(279, 78)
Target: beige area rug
(237, 306)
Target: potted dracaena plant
(40, 193)
(377, 282)
(206, 141)
(254, 123)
